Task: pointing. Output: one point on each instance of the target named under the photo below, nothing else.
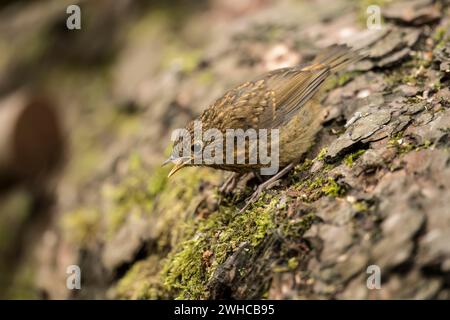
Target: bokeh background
(86, 116)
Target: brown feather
(284, 98)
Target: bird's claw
(267, 185)
(255, 196)
(229, 184)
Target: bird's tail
(338, 56)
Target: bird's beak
(168, 160)
(179, 163)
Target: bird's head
(186, 148)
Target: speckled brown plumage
(285, 99)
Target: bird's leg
(258, 176)
(230, 183)
(267, 185)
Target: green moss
(341, 79)
(274, 33)
(141, 281)
(24, 287)
(321, 185)
(332, 188)
(322, 154)
(292, 263)
(186, 273)
(409, 72)
(134, 195)
(158, 182)
(302, 167)
(184, 59)
(142, 193)
(81, 226)
(360, 206)
(414, 100)
(295, 228)
(14, 210)
(404, 146)
(439, 37)
(205, 77)
(318, 182)
(350, 159)
(264, 32)
(402, 75)
(328, 167)
(437, 85)
(426, 144)
(173, 202)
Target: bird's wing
(274, 98)
(290, 90)
(267, 102)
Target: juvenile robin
(286, 99)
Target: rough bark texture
(373, 189)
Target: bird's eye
(197, 146)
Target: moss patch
(186, 272)
(439, 37)
(341, 79)
(136, 194)
(404, 145)
(322, 154)
(314, 188)
(350, 159)
(174, 204)
(332, 188)
(141, 281)
(360, 206)
(81, 226)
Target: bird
(286, 99)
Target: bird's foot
(266, 185)
(230, 183)
(255, 196)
